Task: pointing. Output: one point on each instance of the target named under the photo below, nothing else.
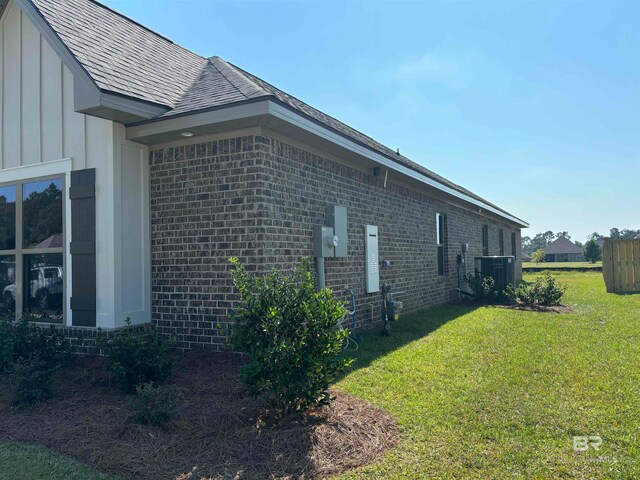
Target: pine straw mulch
(216, 434)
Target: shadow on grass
(373, 344)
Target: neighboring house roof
(637, 237)
(562, 245)
(125, 58)
(54, 241)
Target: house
(131, 169)
(563, 250)
(526, 257)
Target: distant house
(563, 250)
(526, 257)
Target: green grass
(552, 265)
(19, 462)
(492, 393)
(485, 393)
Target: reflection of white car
(46, 282)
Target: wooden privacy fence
(621, 265)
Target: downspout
(320, 270)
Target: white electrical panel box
(372, 261)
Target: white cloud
(431, 66)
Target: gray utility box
(331, 240)
(323, 241)
(337, 218)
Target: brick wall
(258, 198)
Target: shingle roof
(562, 245)
(121, 55)
(124, 57)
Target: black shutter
(83, 247)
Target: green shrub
(483, 288)
(592, 251)
(154, 404)
(26, 339)
(291, 334)
(544, 291)
(538, 256)
(135, 357)
(30, 381)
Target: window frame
(485, 240)
(501, 242)
(513, 244)
(19, 251)
(441, 243)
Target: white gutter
(138, 131)
(300, 121)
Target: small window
(485, 240)
(501, 241)
(441, 241)
(513, 244)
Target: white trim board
(263, 109)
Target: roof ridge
(390, 154)
(240, 72)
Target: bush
(544, 291)
(135, 357)
(291, 334)
(592, 251)
(483, 288)
(538, 256)
(154, 404)
(30, 381)
(26, 339)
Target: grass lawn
(493, 393)
(552, 265)
(487, 393)
(19, 462)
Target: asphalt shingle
(127, 58)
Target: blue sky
(533, 105)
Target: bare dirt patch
(217, 429)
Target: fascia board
(300, 121)
(186, 122)
(269, 107)
(87, 94)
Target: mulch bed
(538, 308)
(216, 435)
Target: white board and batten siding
(41, 135)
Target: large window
(485, 240)
(441, 242)
(32, 249)
(501, 241)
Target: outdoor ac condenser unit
(502, 269)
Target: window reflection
(43, 286)
(8, 285)
(42, 214)
(7, 218)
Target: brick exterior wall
(258, 198)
